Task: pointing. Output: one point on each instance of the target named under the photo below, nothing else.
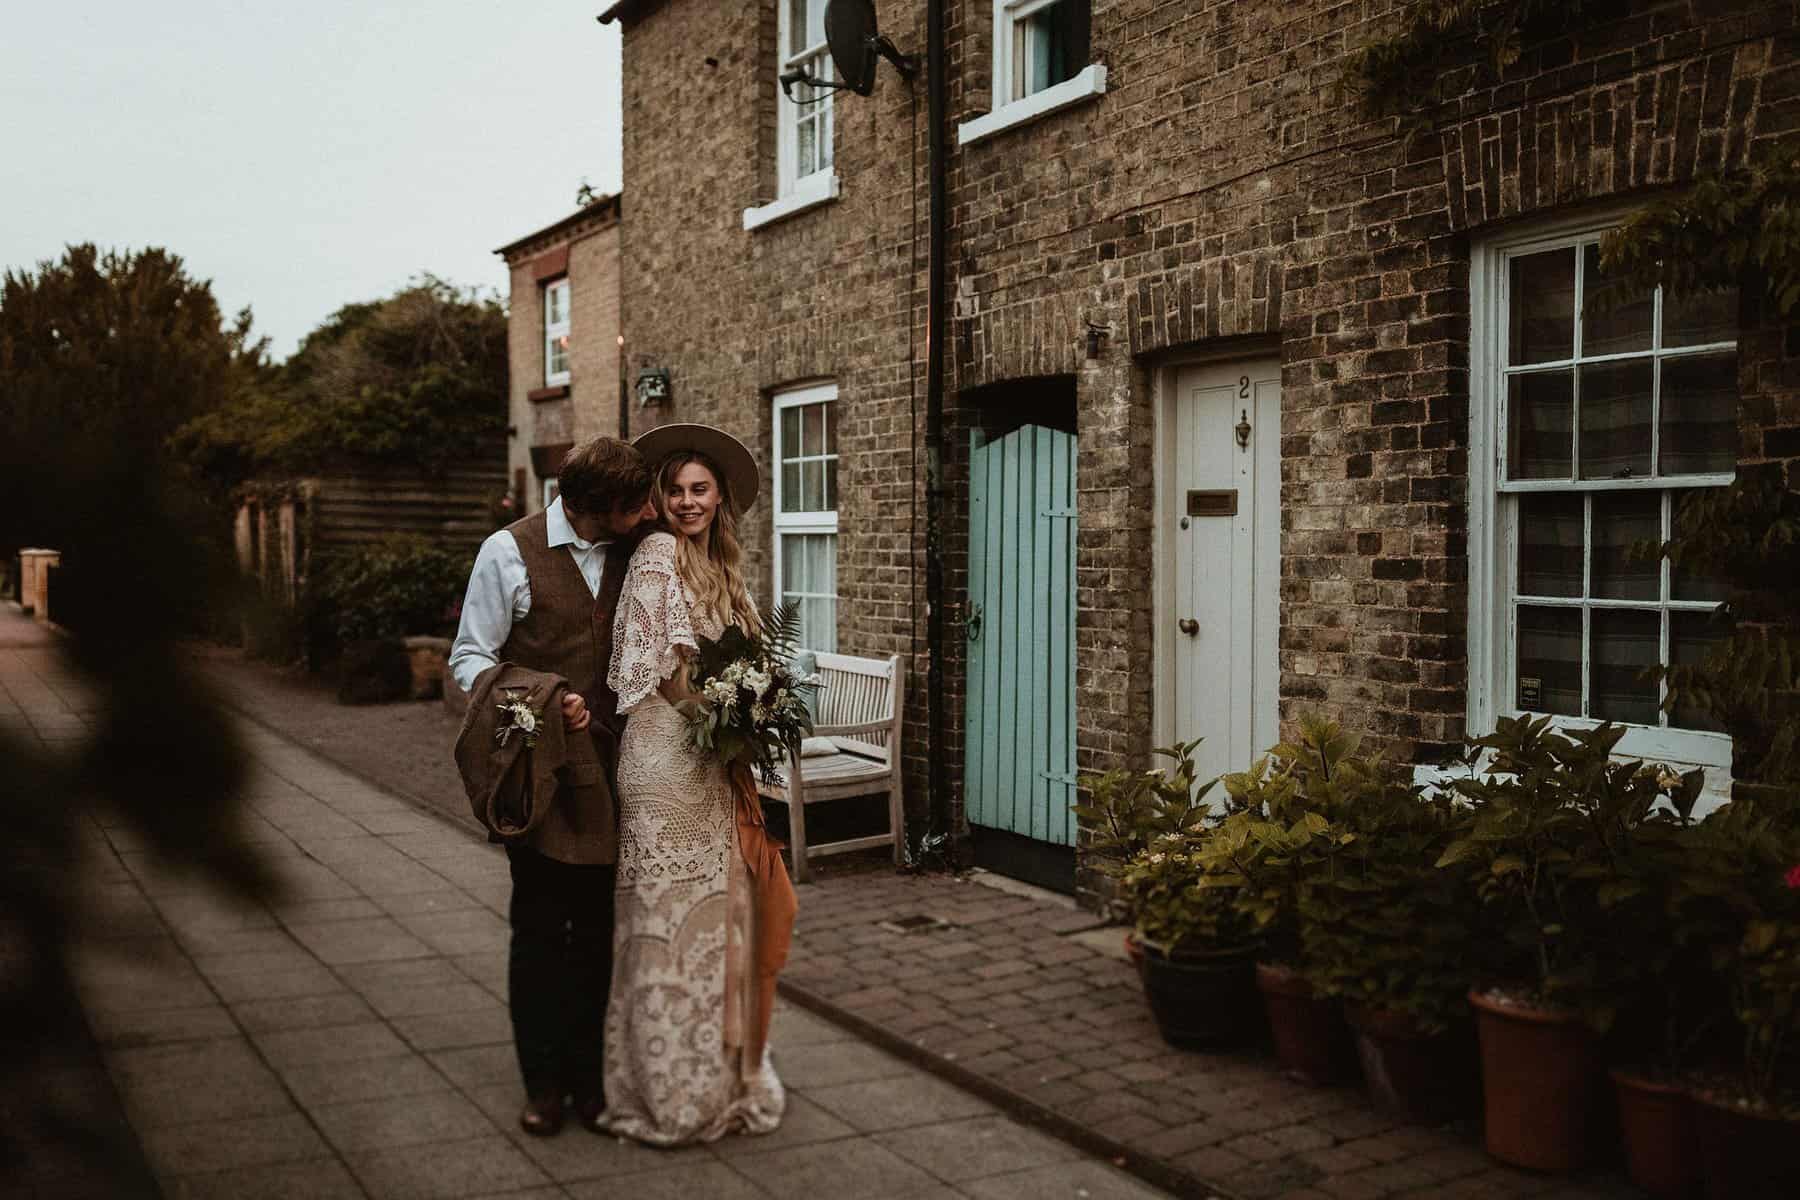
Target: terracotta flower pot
(1310, 1036)
(1744, 1154)
(1417, 1076)
(1203, 1000)
(1656, 1124)
(1540, 1079)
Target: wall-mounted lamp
(653, 387)
(1094, 335)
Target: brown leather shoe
(590, 1111)
(542, 1116)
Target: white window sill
(1681, 750)
(821, 187)
(1091, 82)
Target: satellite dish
(852, 37)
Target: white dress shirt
(500, 593)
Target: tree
(417, 379)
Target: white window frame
(795, 193)
(785, 523)
(552, 331)
(1493, 558)
(1009, 107)
(817, 59)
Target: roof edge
(623, 9)
(597, 209)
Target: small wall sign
(1531, 693)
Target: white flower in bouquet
(759, 714)
(758, 682)
(733, 672)
(719, 692)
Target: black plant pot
(1204, 1000)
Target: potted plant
(1276, 841)
(1672, 899)
(1554, 813)
(1125, 810)
(1199, 949)
(1749, 1118)
(1390, 935)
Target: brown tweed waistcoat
(568, 632)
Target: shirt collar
(561, 532)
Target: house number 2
(1243, 387)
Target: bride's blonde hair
(715, 576)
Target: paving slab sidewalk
(349, 1038)
(1019, 997)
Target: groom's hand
(575, 712)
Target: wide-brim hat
(731, 455)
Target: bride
(685, 1057)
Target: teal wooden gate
(1019, 758)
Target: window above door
(1042, 62)
(805, 121)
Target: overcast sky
(303, 155)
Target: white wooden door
(1225, 509)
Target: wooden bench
(859, 706)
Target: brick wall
(1220, 194)
(585, 249)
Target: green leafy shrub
(1379, 924)
(1550, 853)
(1278, 839)
(398, 587)
(1126, 810)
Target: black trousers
(559, 971)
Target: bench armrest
(865, 727)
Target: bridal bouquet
(752, 709)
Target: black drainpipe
(936, 103)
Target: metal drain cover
(916, 923)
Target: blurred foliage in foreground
(102, 358)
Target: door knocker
(1243, 429)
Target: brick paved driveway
(1022, 996)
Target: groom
(542, 596)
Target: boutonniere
(521, 718)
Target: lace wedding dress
(675, 1069)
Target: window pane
(793, 564)
(1625, 645)
(831, 465)
(813, 428)
(1611, 323)
(831, 424)
(1539, 415)
(1550, 545)
(1615, 419)
(1549, 662)
(821, 625)
(797, 26)
(1700, 320)
(790, 487)
(806, 157)
(1543, 307)
(790, 433)
(1692, 636)
(1623, 520)
(1699, 414)
(812, 483)
(1686, 583)
(1051, 46)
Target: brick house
(563, 345)
(1305, 390)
